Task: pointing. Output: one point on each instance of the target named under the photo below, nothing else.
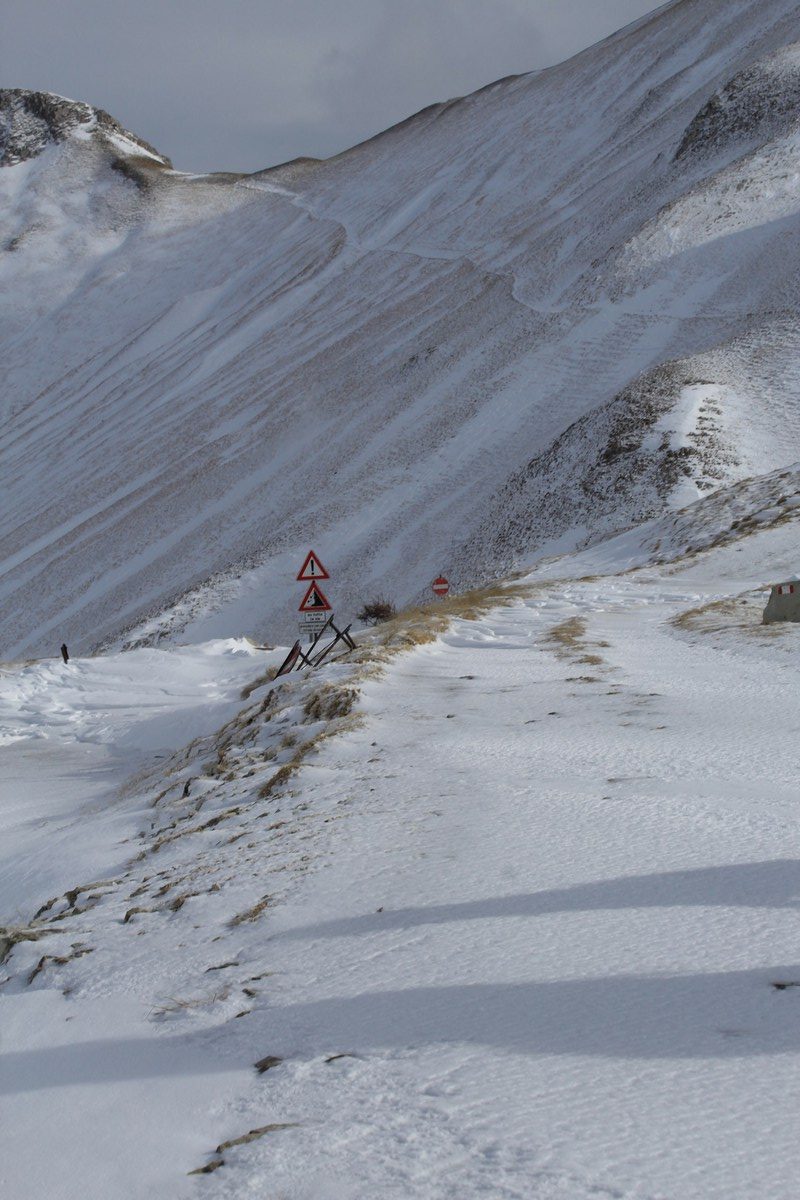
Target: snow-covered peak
(31, 121)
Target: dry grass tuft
(251, 914)
(59, 960)
(251, 1136)
(254, 1134)
(569, 634)
(423, 623)
(741, 614)
(267, 1063)
(177, 902)
(177, 1004)
(690, 619)
(330, 702)
(259, 681)
(211, 1166)
(12, 935)
(281, 776)
(134, 912)
(569, 641)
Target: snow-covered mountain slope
(518, 320)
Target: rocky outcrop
(31, 121)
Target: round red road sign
(441, 586)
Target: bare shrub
(376, 610)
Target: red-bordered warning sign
(441, 586)
(315, 600)
(312, 568)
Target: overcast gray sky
(243, 84)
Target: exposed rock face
(759, 103)
(30, 121)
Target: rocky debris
(758, 104)
(31, 121)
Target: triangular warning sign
(312, 568)
(315, 600)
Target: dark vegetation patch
(374, 611)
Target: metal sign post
(315, 609)
(312, 625)
(316, 620)
(312, 569)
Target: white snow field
(512, 913)
(504, 903)
(466, 340)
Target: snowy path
(527, 922)
(548, 932)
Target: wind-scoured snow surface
(515, 917)
(503, 904)
(518, 321)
